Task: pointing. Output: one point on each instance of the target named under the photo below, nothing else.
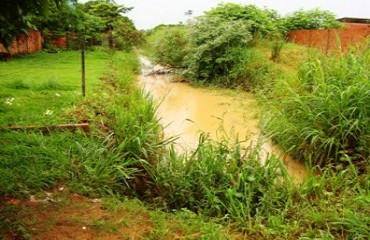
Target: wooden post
(83, 70)
(328, 42)
(67, 40)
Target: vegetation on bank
(126, 157)
(316, 111)
(114, 160)
(314, 106)
(323, 117)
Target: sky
(150, 13)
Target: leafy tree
(311, 19)
(60, 19)
(110, 13)
(262, 21)
(125, 34)
(211, 50)
(15, 16)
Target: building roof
(354, 20)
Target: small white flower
(83, 228)
(57, 94)
(9, 101)
(48, 112)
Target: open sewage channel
(186, 111)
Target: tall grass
(216, 180)
(135, 143)
(108, 160)
(324, 118)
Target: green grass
(210, 193)
(95, 163)
(324, 117)
(36, 89)
(39, 89)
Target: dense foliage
(15, 16)
(87, 22)
(262, 21)
(212, 48)
(311, 19)
(170, 42)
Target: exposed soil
(70, 217)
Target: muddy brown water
(186, 111)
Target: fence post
(83, 70)
(327, 41)
(67, 40)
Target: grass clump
(218, 181)
(124, 159)
(324, 117)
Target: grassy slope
(51, 167)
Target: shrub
(168, 44)
(277, 44)
(311, 19)
(263, 21)
(211, 48)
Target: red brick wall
(60, 42)
(353, 34)
(25, 44)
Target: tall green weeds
(325, 117)
(216, 180)
(123, 163)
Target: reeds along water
(223, 114)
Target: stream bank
(186, 111)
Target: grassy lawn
(36, 89)
(41, 89)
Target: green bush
(263, 21)
(252, 73)
(168, 44)
(311, 19)
(211, 50)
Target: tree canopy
(262, 20)
(311, 19)
(15, 16)
(59, 16)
